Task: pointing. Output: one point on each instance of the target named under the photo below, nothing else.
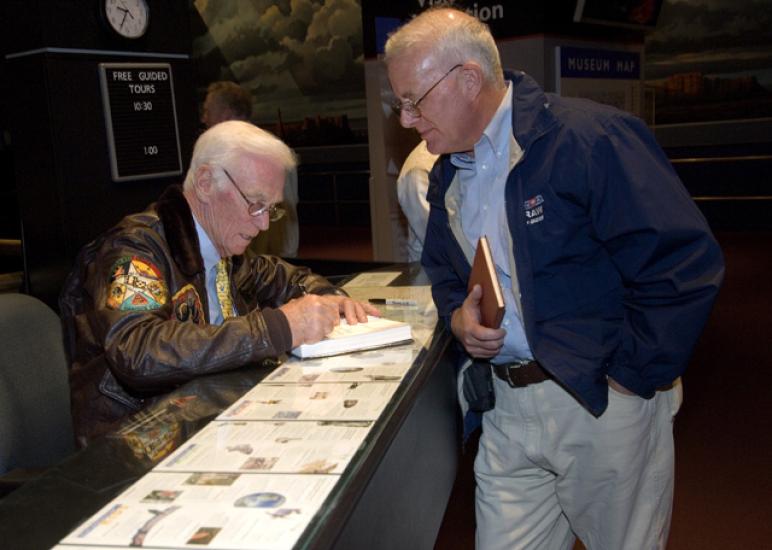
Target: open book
(377, 332)
(484, 274)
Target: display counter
(376, 473)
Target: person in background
(608, 270)
(174, 292)
(412, 183)
(227, 100)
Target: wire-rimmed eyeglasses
(411, 107)
(257, 208)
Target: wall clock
(127, 18)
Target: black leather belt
(520, 375)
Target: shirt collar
(496, 135)
(208, 252)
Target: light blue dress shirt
(482, 178)
(211, 258)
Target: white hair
(452, 34)
(232, 139)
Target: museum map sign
(141, 120)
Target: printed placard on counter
(141, 120)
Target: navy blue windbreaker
(617, 267)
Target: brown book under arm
(484, 274)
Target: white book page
(346, 338)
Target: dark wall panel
(54, 110)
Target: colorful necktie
(224, 289)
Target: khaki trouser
(547, 470)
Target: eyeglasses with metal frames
(411, 107)
(257, 208)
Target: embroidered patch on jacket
(136, 285)
(186, 304)
(534, 210)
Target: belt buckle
(514, 378)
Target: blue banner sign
(593, 63)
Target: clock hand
(126, 10)
(124, 18)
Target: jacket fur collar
(180, 230)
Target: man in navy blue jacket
(608, 271)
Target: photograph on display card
(299, 373)
(275, 447)
(334, 401)
(383, 364)
(254, 511)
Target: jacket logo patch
(186, 304)
(534, 210)
(136, 285)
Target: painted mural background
(301, 59)
(711, 60)
(707, 60)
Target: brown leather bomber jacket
(135, 314)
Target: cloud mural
(301, 56)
